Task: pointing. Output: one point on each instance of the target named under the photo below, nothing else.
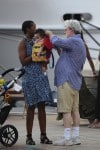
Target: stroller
(8, 133)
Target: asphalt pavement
(90, 138)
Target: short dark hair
(26, 24)
(41, 32)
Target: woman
(87, 99)
(96, 122)
(35, 85)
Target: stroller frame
(8, 133)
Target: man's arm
(59, 42)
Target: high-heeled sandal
(44, 139)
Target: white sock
(67, 133)
(75, 132)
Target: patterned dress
(35, 84)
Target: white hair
(74, 24)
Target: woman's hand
(94, 75)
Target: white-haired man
(68, 79)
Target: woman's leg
(29, 120)
(42, 123)
(42, 116)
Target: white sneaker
(76, 141)
(63, 142)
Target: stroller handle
(22, 72)
(10, 84)
(10, 70)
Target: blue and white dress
(35, 84)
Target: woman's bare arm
(24, 59)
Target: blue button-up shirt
(71, 61)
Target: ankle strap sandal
(29, 141)
(44, 139)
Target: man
(68, 79)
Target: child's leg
(44, 67)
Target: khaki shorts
(68, 98)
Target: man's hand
(49, 33)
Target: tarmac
(90, 138)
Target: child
(42, 48)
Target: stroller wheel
(8, 135)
